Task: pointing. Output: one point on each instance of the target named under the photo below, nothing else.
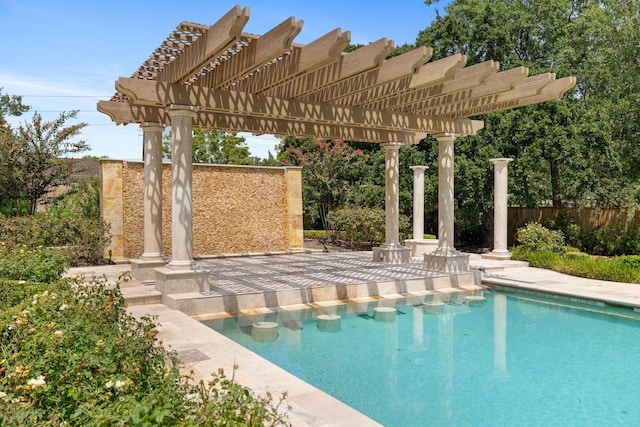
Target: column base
(186, 280)
(499, 255)
(144, 269)
(447, 260)
(420, 247)
(392, 254)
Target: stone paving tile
(273, 273)
(304, 271)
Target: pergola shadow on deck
(251, 284)
(220, 78)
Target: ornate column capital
(418, 168)
(501, 160)
(182, 110)
(445, 135)
(152, 127)
(392, 144)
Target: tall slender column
(500, 209)
(391, 192)
(152, 191)
(446, 258)
(143, 268)
(446, 211)
(181, 186)
(392, 251)
(418, 201)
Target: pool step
(193, 303)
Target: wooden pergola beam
(215, 40)
(249, 58)
(428, 77)
(392, 70)
(349, 64)
(492, 87)
(549, 92)
(158, 94)
(303, 59)
(124, 113)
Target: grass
(624, 269)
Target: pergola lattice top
(268, 85)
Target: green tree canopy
(566, 152)
(329, 172)
(216, 147)
(42, 155)
(10, 105)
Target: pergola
(219, 78)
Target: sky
(66, 55)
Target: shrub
(315, 234)
(535, 237)
(83, 239)
(82, 200)
(74, 356)
(610, 241)
(360, 226)
(571, 231)
(12, 292)
(32, 265)
(357, 225)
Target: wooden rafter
(211, 44)
(268, 84)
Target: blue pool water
(517, 360)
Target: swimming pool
(515, 359)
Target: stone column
(152, 190)
(500, 210)
(391, 251)
(181, 186)
(418, 201)
(446, 211)
(143, 268)
(419, 245)
(181, 275)
(446, 258)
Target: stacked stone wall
(236, 209)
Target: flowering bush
(30, 265)
(83, 240)
(72, 355)
(535, 237)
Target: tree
(10, 179)
(41, 155)
(216, 147)
(329, 171)
(10, 105)
(561, 148)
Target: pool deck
(203, 351)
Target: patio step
(141, 295)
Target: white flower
(58, 333)
(37, 382)
(3, 394)
(108, 384)
(63, 307)
(120, 384)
